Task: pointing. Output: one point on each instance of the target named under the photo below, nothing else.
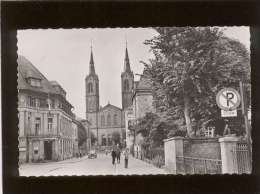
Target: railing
(241, 158)
(154, 156)
(192, 165)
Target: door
(48, 150)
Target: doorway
(48, 150)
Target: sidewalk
(138, 167)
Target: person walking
(126, 154)
(113, 154)
(118, 154)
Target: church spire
(127, 63)
(91, 63)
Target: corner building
(104, 121)
(47, 130)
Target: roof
(127, 67)
(91, 64)
(110, 106)
(144, 83)
(25, 69)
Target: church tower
(92, 92)
(127, 82)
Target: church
(108, 119)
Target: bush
(177, 133)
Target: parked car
(92, 154)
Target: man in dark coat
(113, 154)
(118, 154)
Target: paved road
(84, 166)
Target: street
(102, 165)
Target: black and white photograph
(134, 101)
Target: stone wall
(202, 148)
(193, 151)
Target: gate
(241, 158)
(192, 165)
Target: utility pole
(97, 127)
(244, 113)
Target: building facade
(104, 121)
(129, 121)
(142, 98)
(47, 129)
(142, 103)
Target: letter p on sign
(228, 99)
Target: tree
(116, 137)
(82, 135)
(191, 65)
(152, 128)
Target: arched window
(126, 85)
(115, 119)
(102, 120)
(90, 88)
(108, 120)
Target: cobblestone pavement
(102, 165)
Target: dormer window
(33, 79)
(34, 82)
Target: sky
(63, 55)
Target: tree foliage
(82, 135)
(191, 65)
(153, 129)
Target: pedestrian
(113, 154)
(226, 130)
(118, 154)
(126, 154)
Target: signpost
(228, 100)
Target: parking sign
(228, 99)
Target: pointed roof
(110, 106)
(127, 62)
(91, 63)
